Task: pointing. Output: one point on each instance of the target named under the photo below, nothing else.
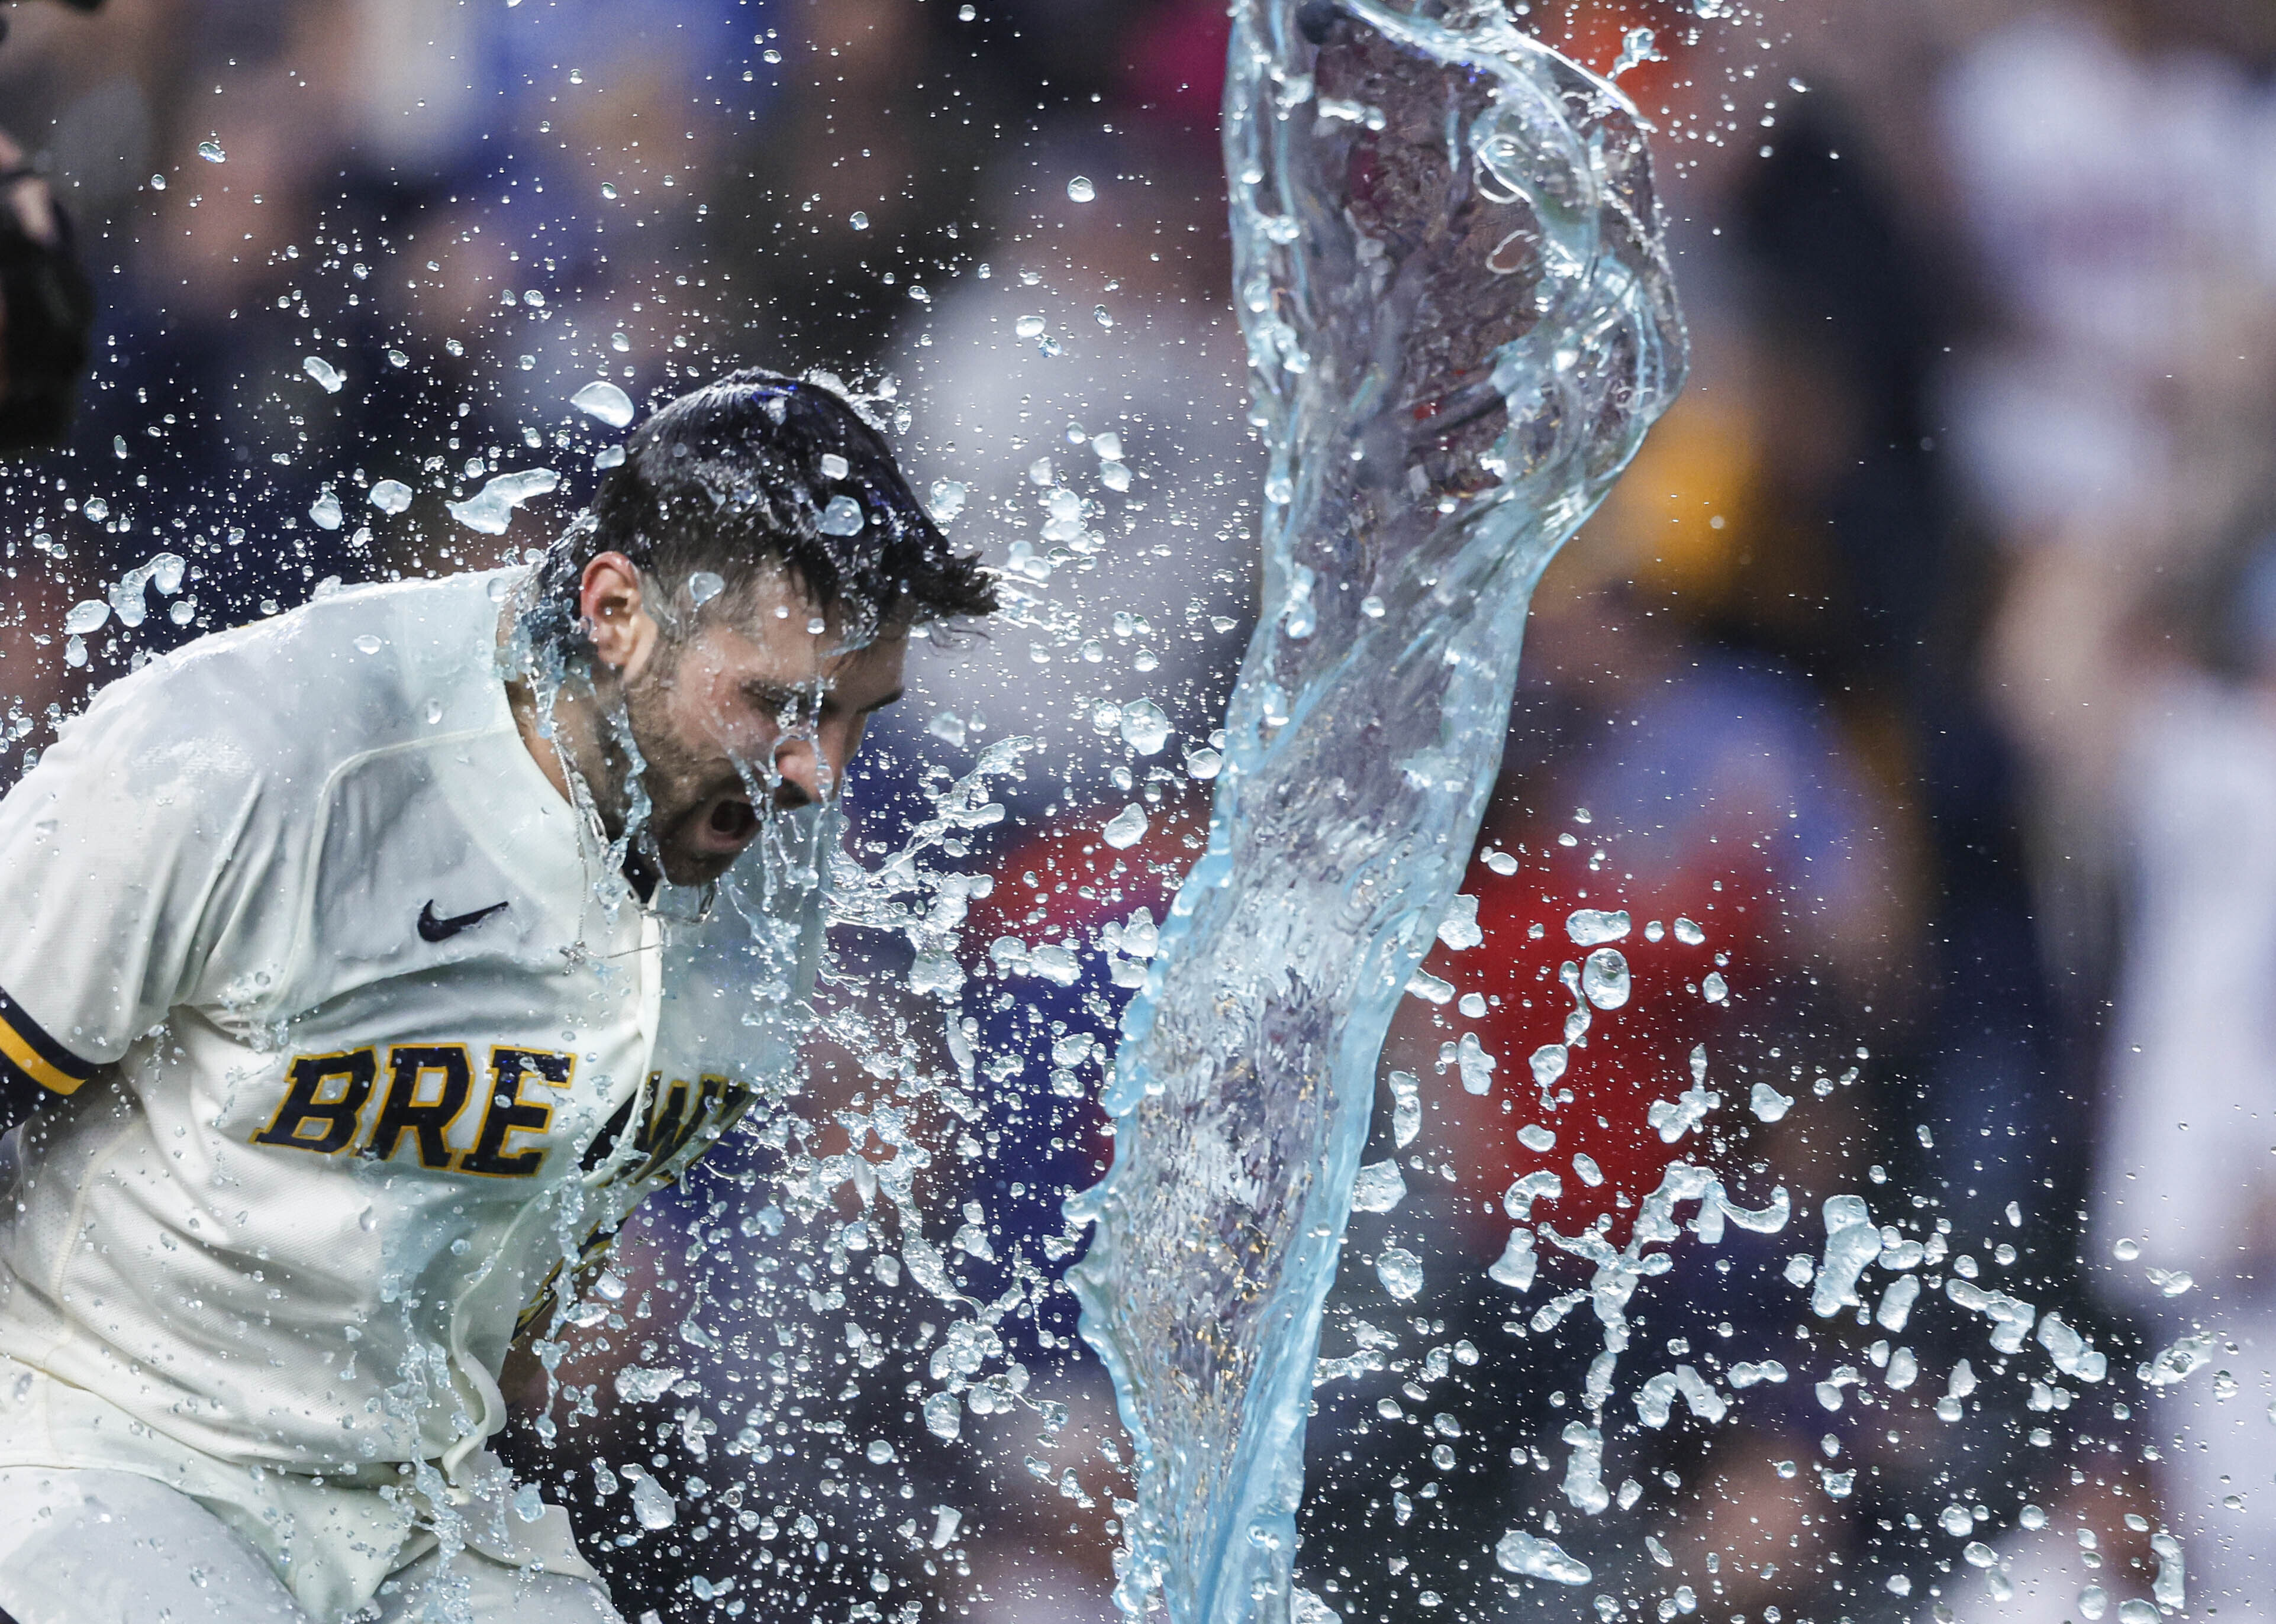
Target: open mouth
(730, 826)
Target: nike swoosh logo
(432, 929)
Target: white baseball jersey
(357, 1036)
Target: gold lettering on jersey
(323, 1091)
(671, 1125)
(510, 1114)
(428, 1088)
(677, 1113)
(404, 1110)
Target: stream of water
(1461, 323)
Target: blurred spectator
(45, 309)
(2114, 422)
(2184, 1234)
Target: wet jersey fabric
(332, 1545)
(356, 1042)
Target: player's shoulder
(360, 670)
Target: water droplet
(638, 1384)
(1475, 1065)
(1768, 1104)
(1028, 327)
(368, 643)
(859, 220)
(325, 511)
(1548, 1064)
(834, 466)
(1689, 935)
(529, 1505)
(609, 189)
(1205, 763)
(1534, 1136)
(605, 401)
(490, 510)
(1605, 979)
(390, 495)
(2126, 1249)
(1102, 316)
(1521, 1552)
(157, 183)
(1713, 988)
(879, 1452)
(324, 373)
(1401, 1271)
(211, 152)
(97, 509)
(1126, 829)
(1145, 728)
(842, 517)
(86, 615)
(944, 1416)
(772, 58)
(1081, 190)
(1635, 49)
(652, 1506)
(948, 499)
(1459, 930)
(1378, 1188)
(395, 358)
(1588, 926)
(704, 586)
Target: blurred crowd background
(1926, 659)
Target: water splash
(1461, 323)
(490, 510)
(605, 400)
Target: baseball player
(345, 953)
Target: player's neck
(523, 701)
(570, 737)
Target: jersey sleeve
(121, 854)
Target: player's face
(762, 700)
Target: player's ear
(611, 602)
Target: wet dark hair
(729, 480)
(48, 310)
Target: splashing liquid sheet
(1461, 323)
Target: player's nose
(806, 774)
